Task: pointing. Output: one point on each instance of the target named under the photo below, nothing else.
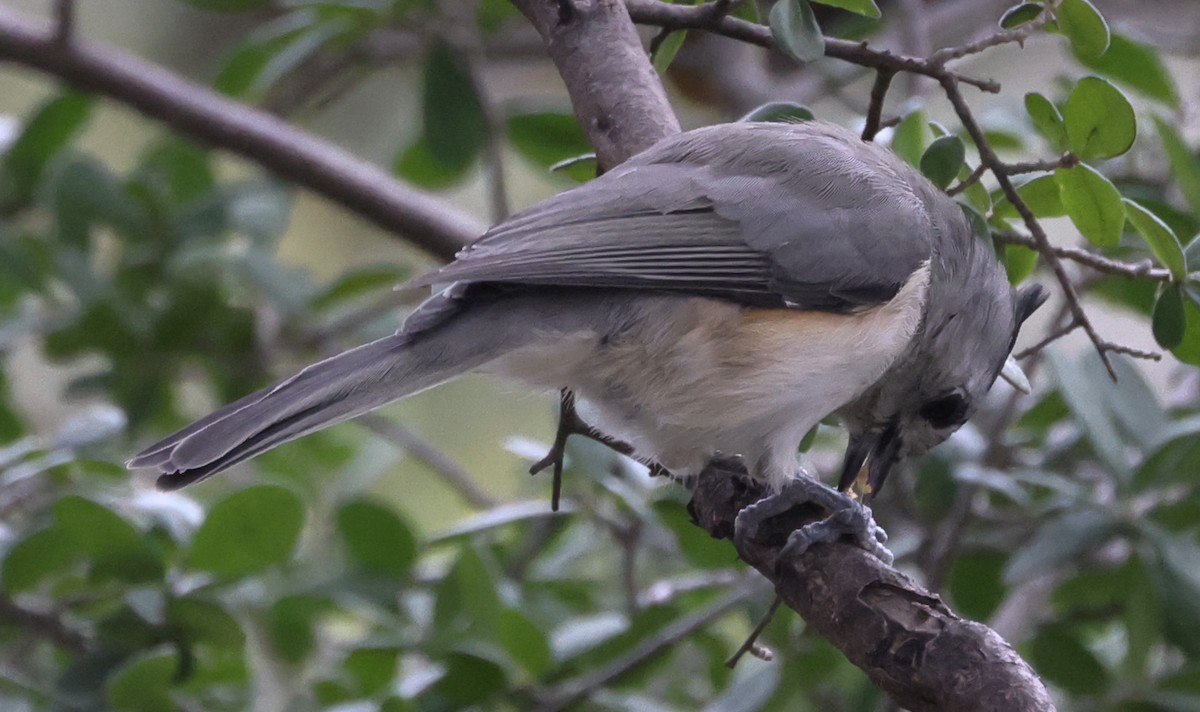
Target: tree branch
(618, 98)
(203, 115)
(904, 637)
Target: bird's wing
(803, 216)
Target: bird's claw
(847, 517)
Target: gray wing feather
(804, 215)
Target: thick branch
(905, 638)
(201, 114)
(618, 98)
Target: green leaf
(547, 138)
(780, 111)
(976, 583)
(417, 164)
(795, 30)
(524, 641)
(201, 621)
(1084, 26)
(700, 549)
(1047, 120)
(911, 137)
(1099, 120)
(1060, 541)
(1079, 381)
(1185, 166)
(1168, 321)
(1176, 578)
(867, 8)
(290, 622)
(230, 5)
(377, 539)
(469, 680)
(35, 557)
(455, 129)
(247, 532)
(942, 160)
(1059, 655)
(372, 668)
(357, 282)
(665, 53)
(1021, 14)
(1138, 66)
(1093, 204)
(143, 683)
(43, 136)
(1041, 195)
(1019, 262)
(1159, 237)
(112, 544)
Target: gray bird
(721, 292)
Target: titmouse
(721, 292)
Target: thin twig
(883, 80)
(1018, 35)
(700, 17)
(1067, 160)
(64, 14)
(571, 691)
(1050, 338)
(969, 181)
(1144, 269)
(988, 157)
(421, 449)
(43, 625)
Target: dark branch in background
(910, 644)
(43, 625)
(203, 115)
(883, 80)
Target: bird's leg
(847, 517)
(569, 423)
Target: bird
(720, 293)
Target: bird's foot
(569, 423)
(847, 517)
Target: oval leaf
(665, 53)
(1022, 14)
(943, 159)
(1084, 26)
(454, 124)
(1047, 120)
(867, 8)
(113, 545)
(1093, 204)
(1168, 322)
(376, 537)
(795, 30)
(247, 532)
(1161, 239)
(1041, 195)
(1099, 120)
(1137, 66)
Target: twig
(883, 80)
(1067, 160)
(1144, 269)
(1019, 35)
(571, 691)
(206, 116)
(64, 13)
(700, 17)
(969, 181)
(493, 146)
(45, 625)
(1050, 338)
(988, 157)
(419, 448)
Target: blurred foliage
(1070, 518)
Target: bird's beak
(861, 445)
(883, 459)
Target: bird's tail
(329, 392)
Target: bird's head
(968, 330)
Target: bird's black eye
(945, 411)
